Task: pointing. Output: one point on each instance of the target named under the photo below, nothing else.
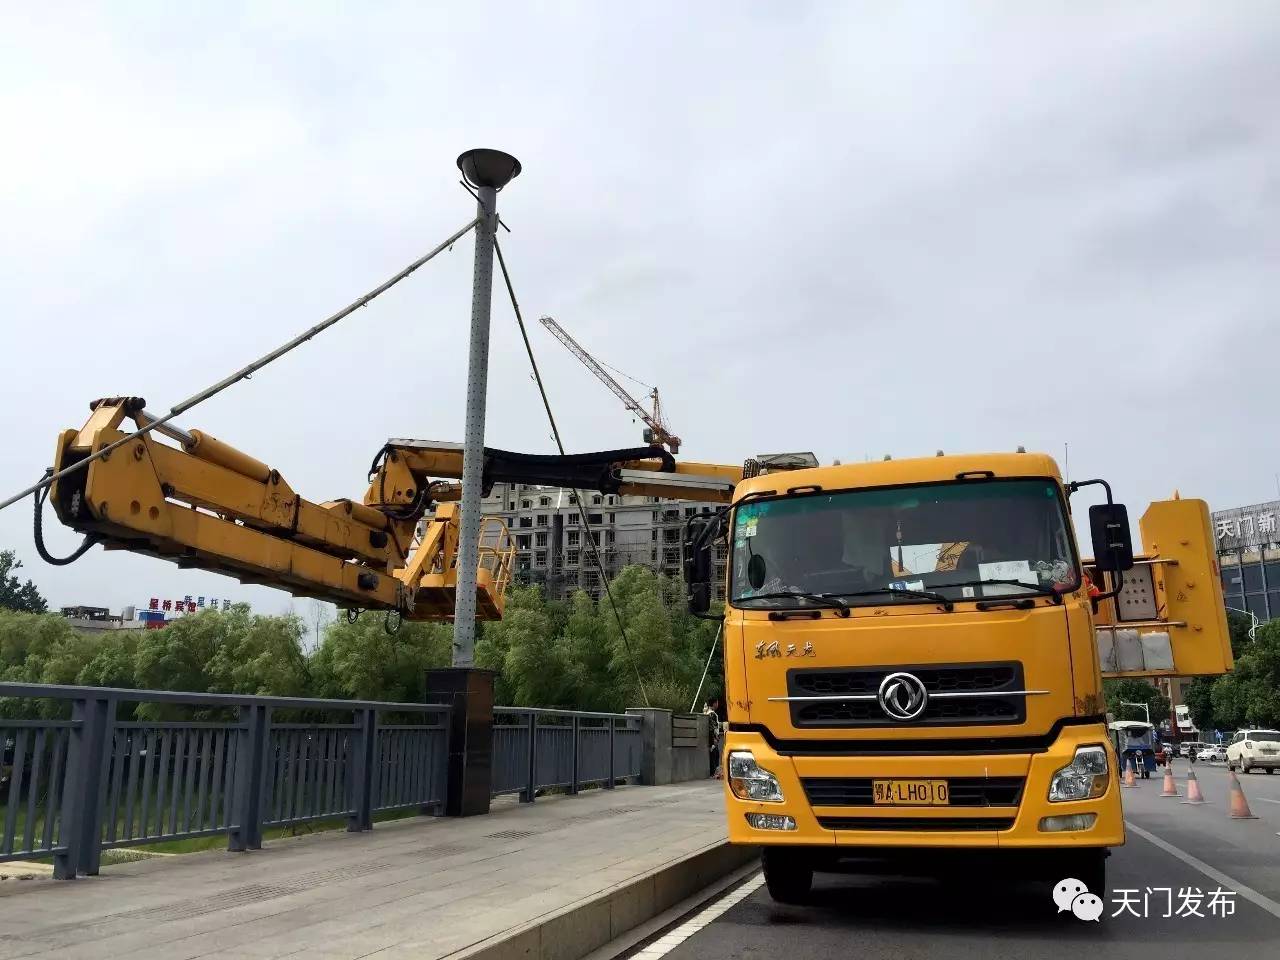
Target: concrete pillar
(655, 739)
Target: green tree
(528, 649)
(27, 642)
(361, 661)
(15, 595)
(1250, 694)
(1235, 699)
(215, 651)
(1238, 627)
(1134, 690)
(1198, 696)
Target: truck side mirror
(698, 537)
(1112, 542)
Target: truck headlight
(1086, 777)
(751, 782)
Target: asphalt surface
(874, 915)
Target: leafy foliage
(552, 654)
(1130, 690)
(15, 595)
(1250, 694)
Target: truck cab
(912, 663)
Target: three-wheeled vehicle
(1135, 741)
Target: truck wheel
(1091, 870)
(788, 874)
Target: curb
(580, 928)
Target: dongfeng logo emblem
(902, 696)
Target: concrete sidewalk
(422, 888)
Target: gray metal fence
(534, 749)
(71, 788)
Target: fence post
(76, 799)
(100, 715)
(531, 787)
(613, 780)
(655, 745)
(364, 768)
(573, 784)
(251, 757)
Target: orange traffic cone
(1239, 806)
(1193, 789)
(1170, 788)
(1130, 779)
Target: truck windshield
(962, 540)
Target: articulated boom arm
(206, 505)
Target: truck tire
(1091, 870)
(788, 874)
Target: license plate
(916, 793)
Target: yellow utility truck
(914, 654)
(914, 649)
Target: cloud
(854, 228)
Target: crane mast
(658, 432)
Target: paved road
(902, 918)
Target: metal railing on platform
(70, 788)
(536, 749)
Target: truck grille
(962, 791)
(949, 824)
(988, 678)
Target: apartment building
(552, 548)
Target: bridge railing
(72, 787)
(536, 749)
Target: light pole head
(488, 168)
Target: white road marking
(1266, 800)
(1217, 876)
(678, 935)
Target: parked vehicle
(1253, 749)
(1190, 748)
(1216, 754)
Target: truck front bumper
(856, 821)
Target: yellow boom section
(204, 504)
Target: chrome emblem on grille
(902, 696)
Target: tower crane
(656, 431)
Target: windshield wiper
(1029, 587)
(821, 599)
(906, 591)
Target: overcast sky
(852, 228)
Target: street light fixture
(1145, 708)
(488, 168)
(1253, 617)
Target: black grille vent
(962, 791)
(949, 824)
(942, 711)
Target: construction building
(551, 541)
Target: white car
(1254, 749)
(1213, 755)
